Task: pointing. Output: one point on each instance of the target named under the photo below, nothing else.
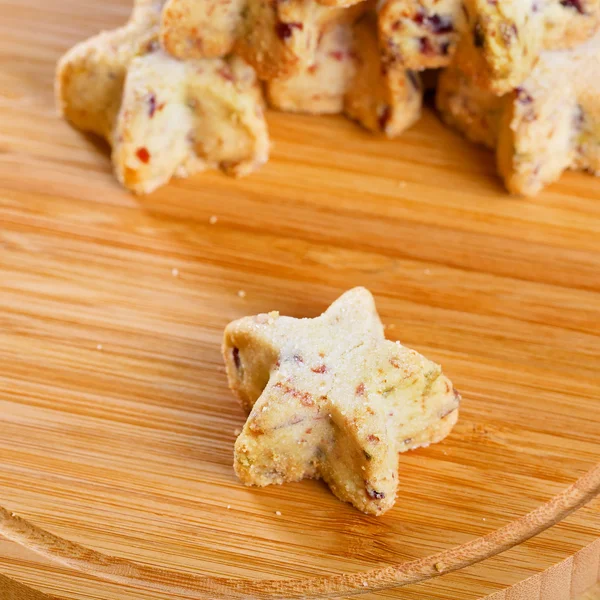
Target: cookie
(550, 123)
(348, 76)
(276, 38)
(207, 29)
(331, 398)
(321, 87)
(420, 34)
(163, 118)
(498, 41)
(382, 97)
(504, 38)
(474, 111)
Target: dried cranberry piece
(143, 155)
(375, 494)
(226, 74)
(576, 4)
(151, 105)
(235, 353)
(435, 23)
(439, 24)
(285, 30)
(523, 97)
(425, 46)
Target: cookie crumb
(241, 293)
(237, 431)
(278, 513)
(365, 584)
(175, 272)
(439, 567)
(213, 219)
(99, 347)
(228, 506)
(484, 519)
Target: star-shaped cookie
(548, 124)
(163, 118)
(330, 397)
(348, 76)
(276, 38)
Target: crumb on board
(99, 347)
(175, 272)
(278, 513)
(228, 506)
(241, 293)
(365, 584)
(439, 567)
(213, 219)
(237, 431)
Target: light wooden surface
(116, 426)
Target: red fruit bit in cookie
(374, 493)
(235, 354)
(143, 155)
(285, 30)
(337, 54)
(305, 398)
(435, 23)
(373, 438)
(576, 4)
(360, 389)
(523, 97)
(319, 369)
(226, 73)
(426, 47)
(151, 105)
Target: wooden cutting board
(116, 424)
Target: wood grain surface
(116, 425)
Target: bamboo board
(116, 425)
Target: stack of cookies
(180, 88)
(521, 77)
